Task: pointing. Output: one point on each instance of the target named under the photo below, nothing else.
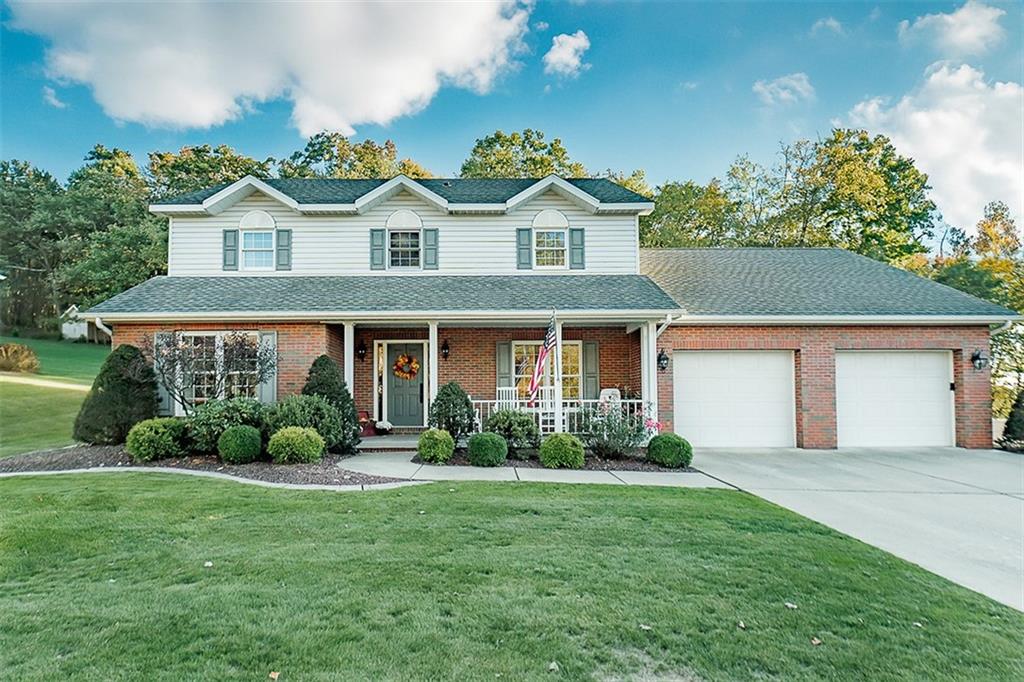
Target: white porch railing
(543, 411)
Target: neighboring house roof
(295, 296)
(801, 282)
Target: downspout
(102, 327)
(664, 325)
(1002, 328)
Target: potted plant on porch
(383, 427)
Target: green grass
(102, 577)
(76, 362)
(35, 418)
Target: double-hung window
(524, 359)
(213, 374)
(258, 249)
(404, 249)
(550, 248)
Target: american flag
(550, 342)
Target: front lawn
(102, 576)
(76, 362)
(35, 418)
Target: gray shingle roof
(455, 190)
(388, 293)
(754, 281)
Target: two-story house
(729, 347)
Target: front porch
(395, 369)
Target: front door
(404, 376)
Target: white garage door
(894, 398)
(734, 398)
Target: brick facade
(814, 357)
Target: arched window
(550, 239)
(404, 239)
(257, 230)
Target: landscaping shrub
(296, 445)
(309, 411)
(670, 450)
(213, 418)
(452, 411)
(487, 450)
(436, 446)
(326, 381)
(562, 451)
(14, 357)
(240, 444)
(156, 439)
(122, 395)
(610, 432)
(517, 428)
(1013, 432)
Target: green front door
(405, 393)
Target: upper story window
(404, 239)
(257, 231)
(550, 240)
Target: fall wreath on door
(406, 367)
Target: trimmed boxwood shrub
(562, 451)
(517, 428)
(296, 445)
(326, 381)
(670, 450)
(213, 418)
(487, 450)
(123, 394)
(16, 357)
(308, 411)
(436, 446)
(156, 439)
(240, 444)
(452, 411)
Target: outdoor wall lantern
(662, 360)
(979, 360)
(445, 350)
(361, 350)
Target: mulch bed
(591, 463)
(325, 472)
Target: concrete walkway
(400, 465)
(958, 513)
(45, 383)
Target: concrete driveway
(957, 513)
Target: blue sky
(668, 87)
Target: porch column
(645, 381)
(432, 361)
(350, 357)
(651, 361)
(557, 369)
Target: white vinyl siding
(340, 245)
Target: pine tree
(1013, 432)
(123, 394)
(325, 380)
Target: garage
(894, 398)
(734, 398)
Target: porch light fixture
(361, 351)
(979, 360)
(662, 360)
(445, 350)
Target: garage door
(734, 398)
(894, 398)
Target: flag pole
(557, 366)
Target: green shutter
(230, 260)
(165, 407)
(503, 361)
(524, 248)
(577, 257)
(284, 250)
(430, 249)
(591, 373)
(267, 392)
(378, 249)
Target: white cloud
(689, 85)
(541, 26)
(565, 58)
(340, 64)
(51, 98)
(827, 24)
(972, 29)
(963, 131)
(787, 89)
